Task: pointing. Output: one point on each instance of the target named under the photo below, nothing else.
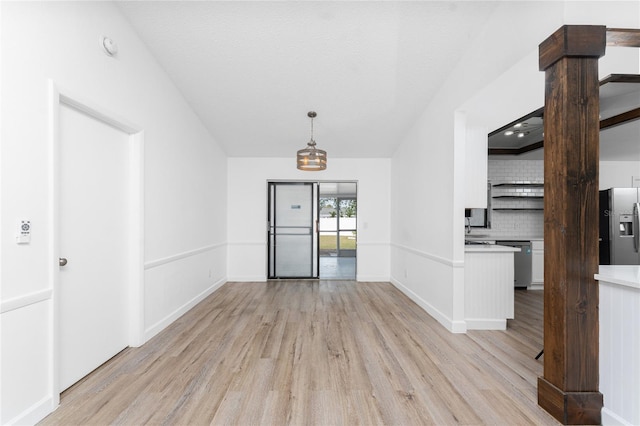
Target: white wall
(619, 174)
(247, 202)
(496, 82)
(184, 177)
(507, 223)
(427, 257)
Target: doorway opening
(338, 231)
(312, 230)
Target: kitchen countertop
(625, 275)
(489, 248)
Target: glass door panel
(347, 227)
(338, 230)
(292, 240)
(328, 227)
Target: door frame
(338, 210)
(59, 96)
(317, 225)
(315, 212)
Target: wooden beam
(616, 120)
(623, 37)
(572, 41)
(568, 389)
(620, 78)
(516, 151)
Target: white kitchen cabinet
(476, 167)
(537, 265)
(488, 286)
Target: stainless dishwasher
(521, 262)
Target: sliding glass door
(338, 230)
(292, 230)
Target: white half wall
(247, 203)
(184, 179)
(619, 337)
(177, 283)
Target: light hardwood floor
(317, 352)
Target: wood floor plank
(317, 353)
(363, 409)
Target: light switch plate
(23, 234)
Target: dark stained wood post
(568, 389)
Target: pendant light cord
(312, 115)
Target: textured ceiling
(252, 70)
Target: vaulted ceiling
(252, 70)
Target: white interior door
(93, 229)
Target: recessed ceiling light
(517, 125)
(521, 135)
(508, 133)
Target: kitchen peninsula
(488, 283)
(619, 316)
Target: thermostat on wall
(23, 235)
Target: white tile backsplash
(507, 223)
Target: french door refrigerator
(619, 226)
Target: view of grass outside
(337, 213)
(328, 242)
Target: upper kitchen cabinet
(619, 104)
(476, 143)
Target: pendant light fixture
(312, 159)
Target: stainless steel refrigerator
(619, 226)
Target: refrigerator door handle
(636, 226)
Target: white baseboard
(611, 418)
(448, 323)
(35, 413)
(535, 286)
(248, 278)
(263, 278)
(166, 321)
(486, 324)
(459, 327)
(372, 278)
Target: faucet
(468, 225)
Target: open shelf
(526, 197)
(529, 197)
(516, 184)
(518, 209)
